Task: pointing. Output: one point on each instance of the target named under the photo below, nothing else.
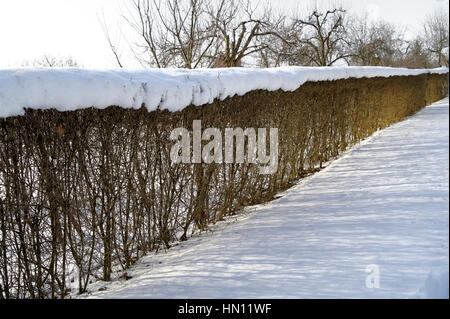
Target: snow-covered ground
(382, 207)
(173, 89)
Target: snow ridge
(69, 88)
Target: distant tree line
(50, 61)
(227, 33)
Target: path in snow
(385, 202)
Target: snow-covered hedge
(87, 191)
(172, 89)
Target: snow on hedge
(173, 89)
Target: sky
(73, 28)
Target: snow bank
(172, 89)
(435, 286)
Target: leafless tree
(321, 37)
(51, 61)
(170, 33)
(435, 34)
(374, 43)
(279, 48)
(415, 56)
(114, 44)
(240, 26)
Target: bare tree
(51, 61)
(415, 56)
(435, 34)
(113, 44)
(374, 43)
(170, 33)
(239, 27)
(321, 37)
(150, 48)
(279, 48)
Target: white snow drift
(172, 89)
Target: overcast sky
(32, 28)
